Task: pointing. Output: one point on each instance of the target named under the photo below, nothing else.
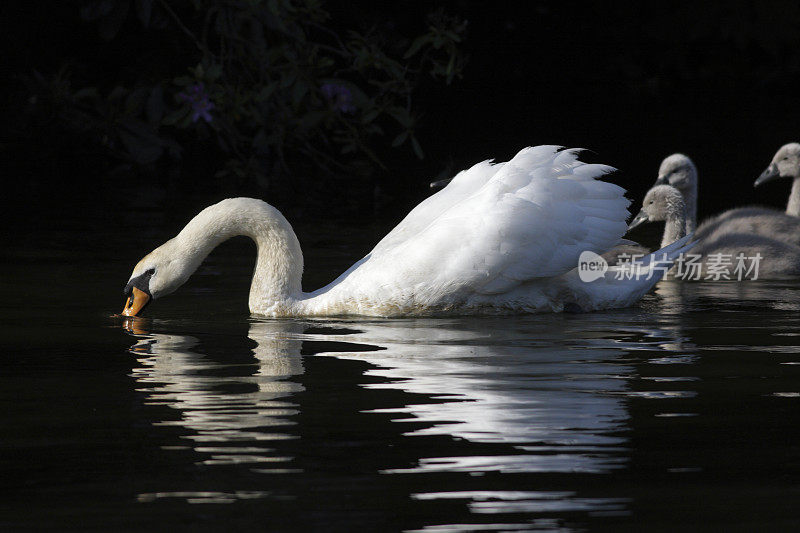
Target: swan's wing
(531, 218)
(463, 185)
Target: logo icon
(591, 266)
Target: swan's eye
(141, 282)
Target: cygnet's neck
(690, 199)
(276, 284)
(793, 207)
(675, 224)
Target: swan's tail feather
(623, 285)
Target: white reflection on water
(230, 410)
(517, 397)
(552, 390)
(490, 502)
(206, 496)
(550, 525)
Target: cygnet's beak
(440, 184)
(662, 180)
(137, 300)
(641, 218)
(769, 174)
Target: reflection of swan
(490, 381)
(545, 394)
(227, 426)
(502, 238)
(470, 369)
(278, 354)
(777, 258)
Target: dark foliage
(265, 96)
(632, 81)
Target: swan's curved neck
(278, 272)
(675, 225)
(793, 207)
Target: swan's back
(493, 229)
(757, 220)
(777, 258)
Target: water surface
(681, 412)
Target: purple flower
(197, 98)
(339, 97)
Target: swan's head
(159, 273)
(679, 171)
(662, 202)
(785, 164)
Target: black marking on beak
(141, 282)
(641, 218)
(771, 173)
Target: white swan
(500, 238)
(665, 203)
(679, 171)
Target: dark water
(680, 413)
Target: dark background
(633, 82)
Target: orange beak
(136, 302)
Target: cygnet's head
(785, 164)
(661, 202)
(679, 171)
(159, 273)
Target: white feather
(500, 238)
